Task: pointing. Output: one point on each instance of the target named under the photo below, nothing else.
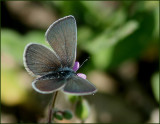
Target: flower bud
(67, 114)
(82, 109)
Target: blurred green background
(121, 39)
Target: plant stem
(52, 107)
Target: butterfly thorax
(62, 73)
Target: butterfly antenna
(84, 62)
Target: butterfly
(53, 68)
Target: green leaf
(13, 44)
(35, 37)
(155, 85)
(134, 45)
(109, 17)
(82, 109)
(110, 37)
(102, 47)
(102, 58)
(72, 98)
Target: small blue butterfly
(56, 69)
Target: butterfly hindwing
(79, 86)
(47, 86)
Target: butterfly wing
(39, 60)
(46, 86)
(79, 86)
(62, 36)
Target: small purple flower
(76, 67)
(82, 75)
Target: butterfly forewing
(39, 60)
(79, 86)
(62, 36)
